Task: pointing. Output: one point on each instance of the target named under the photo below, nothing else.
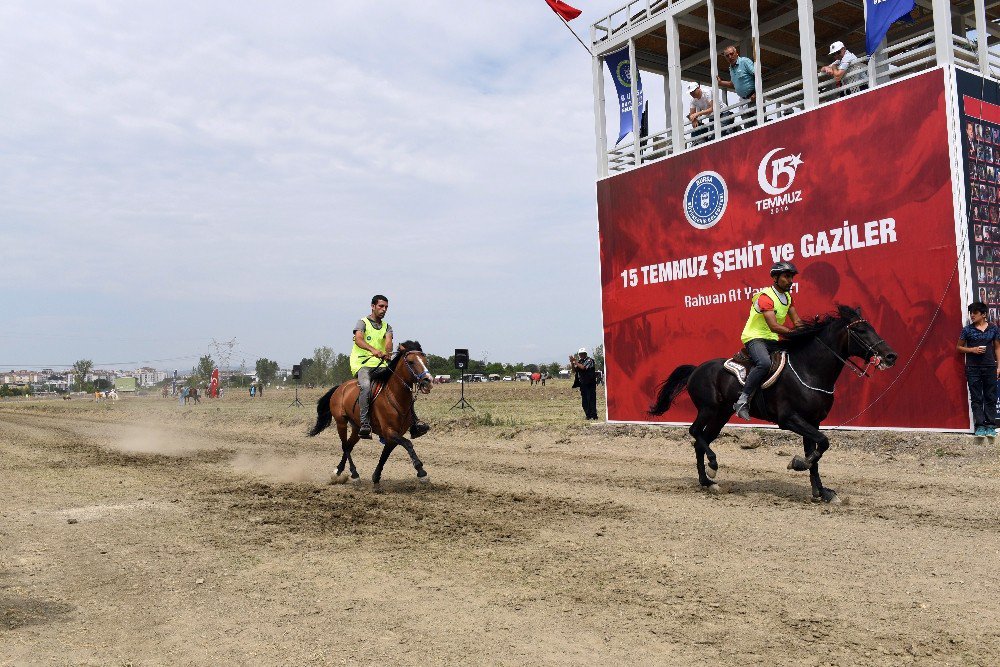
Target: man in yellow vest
(769, 309)
(373, 348)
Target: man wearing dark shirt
(980, 341)
(586, 380)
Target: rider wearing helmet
(768, 311)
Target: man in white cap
(701, 106)
(838, 69)
(586, 380)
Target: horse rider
(769, 309)
(373, 347)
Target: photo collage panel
(982, 143)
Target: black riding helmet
(783, 267)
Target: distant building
(148, 377)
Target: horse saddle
(741, 363)
(377, 387)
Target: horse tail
(323, 415)
(671, 389)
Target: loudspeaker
(461, 358)
(296, 372)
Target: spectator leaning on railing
(701, 106)
(840, 67)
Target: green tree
(304, 365)
(202, 373)
(318, 371)
(266, 370)
(81, 369)
(101, 384)
(554, 369)
(599, 357)
(341, 370)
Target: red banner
(857, 194)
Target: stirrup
(365, 431)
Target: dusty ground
(141, 533)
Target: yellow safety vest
(374, 337)
(756, 326)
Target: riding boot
(742, 407)
(417, 427)
(365, 431)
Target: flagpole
(573, 32)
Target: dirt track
(145, 533)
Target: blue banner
(881, 15)
(621, 73)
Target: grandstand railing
(898, 60)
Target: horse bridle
(417, 377)
(871, 356)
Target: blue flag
(881, 15)
(618, 65)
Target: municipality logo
(624, 73)
(775, 176)
(705, 199)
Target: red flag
(562, 9)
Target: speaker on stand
(297, 378)
(461, 363)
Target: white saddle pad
(740, 371)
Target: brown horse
(391, 411)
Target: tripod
(462, 403)
(296, 403)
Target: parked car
(507, 378)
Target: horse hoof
(830, 496)
(424, 480)
(798, 464)
(714, 489)
(421, 473)
(355, 476)
(711, 470)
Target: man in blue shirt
(980, 342)
(741, 73)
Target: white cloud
(226, 162)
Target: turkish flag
(562, 9)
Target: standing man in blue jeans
(980, 341)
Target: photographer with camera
(586, 380)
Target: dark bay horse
(391, 411)
(800, 399)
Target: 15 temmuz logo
(775, 175)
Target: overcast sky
(178, 172)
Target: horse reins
(860, 372)
(413, 373)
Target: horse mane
(808, 331)
(408, 346)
